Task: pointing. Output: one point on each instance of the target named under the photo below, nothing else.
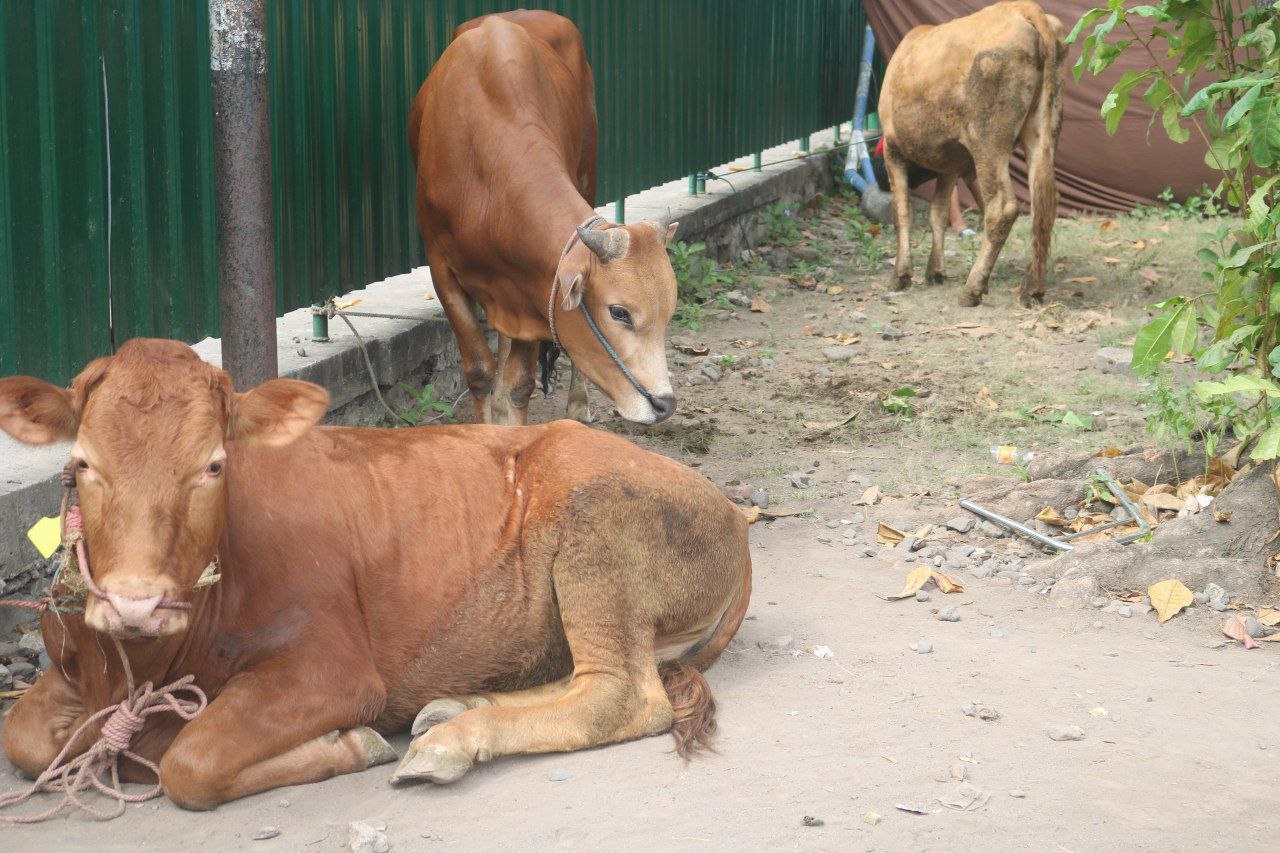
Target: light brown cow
(537, 589)
(503, 133)
(957, 98)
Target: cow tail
(548, 355)
(1048, 122)
(693, 719)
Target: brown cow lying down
(957, 98)
(527, 589)
(503, 134)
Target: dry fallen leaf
(1236, 630)
(1162, 500)
(887, 534)
(1109, 452)
(1107, 259)
(985, 398)
(1106, 225)
(916, 579)
(1138, 245)
(1169, 598)
(1081, 279)
(780, 512)
(1049, 515)
(752, 513)
(1149, 274)
(834, 290)
(758, 304)
(870, 497)
(691, 349)
(1221, 517)
(946, 583)
(1269, 616)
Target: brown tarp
(1096, 172)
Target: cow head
(151, 426)
(624, 277)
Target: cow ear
(35, 412)
(276, 412)
(572, 292)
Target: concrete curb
(418, 350)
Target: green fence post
(702, 182)
(620, 211)
(755, 161)
(693, 184)
(838, 124)
(804, 143)
(319, 323)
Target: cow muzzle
(134, 611)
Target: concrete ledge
(416, 350)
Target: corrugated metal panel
(109, 99)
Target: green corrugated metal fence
(106, 184)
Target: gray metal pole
(242, 189)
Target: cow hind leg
(999, 210)
(579, 398)
(444, 709)
(515, 383)
(939, 219)
(896, 167)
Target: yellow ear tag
(46, 535)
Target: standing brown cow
(957, 98)
(537, 589)
(503, 133)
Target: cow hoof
(937, 278)
(901, 282)
(581, 414)
(969, 300)
(376, 749)
(435, 712)
(431, 763)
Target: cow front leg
(38, 726)
(939, 218)
(478, 364)
(273, 726)
(579, 397)
(515, 384)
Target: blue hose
(857, 170)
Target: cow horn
(608, 245)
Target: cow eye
(622, 315)
(214, 469)
(81, 465)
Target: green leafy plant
(1212, 70)
(1204, 204)
(698, 282)
(780, 222)
(426, 407)
(898, 402)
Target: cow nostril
(664, 406)
(133, 611)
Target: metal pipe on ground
(242, 189)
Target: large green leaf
(1268, 446)
(1242, 106)
(1153, 340)
(1265, 137)
(1238, 384)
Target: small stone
(839, 353)
(890, 333)
(711, 372)
(809, 820)
(910, 543)
(982, 712)
(1065, 733)
(32, 642)
(559, 774)
(1217, 604)
(1256, 629)
(1098, 601)
(981, 571)
(364, 837)
(1120, 514)
(992, 530)
(798, 480)
(949, 614)
(284, 804)
(1017, 793)
(1026, 580)
(784, 643)
(760, 498)
(1199, 598)
(832, 525)
(962, 524)
(266, 832)
(21, 669)
(921, 595)
(1113, 359)
(1215, 592)
(1124, 611)
(964, 551)
(923, 647)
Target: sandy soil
(1177, 753)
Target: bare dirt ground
(1176, 752)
